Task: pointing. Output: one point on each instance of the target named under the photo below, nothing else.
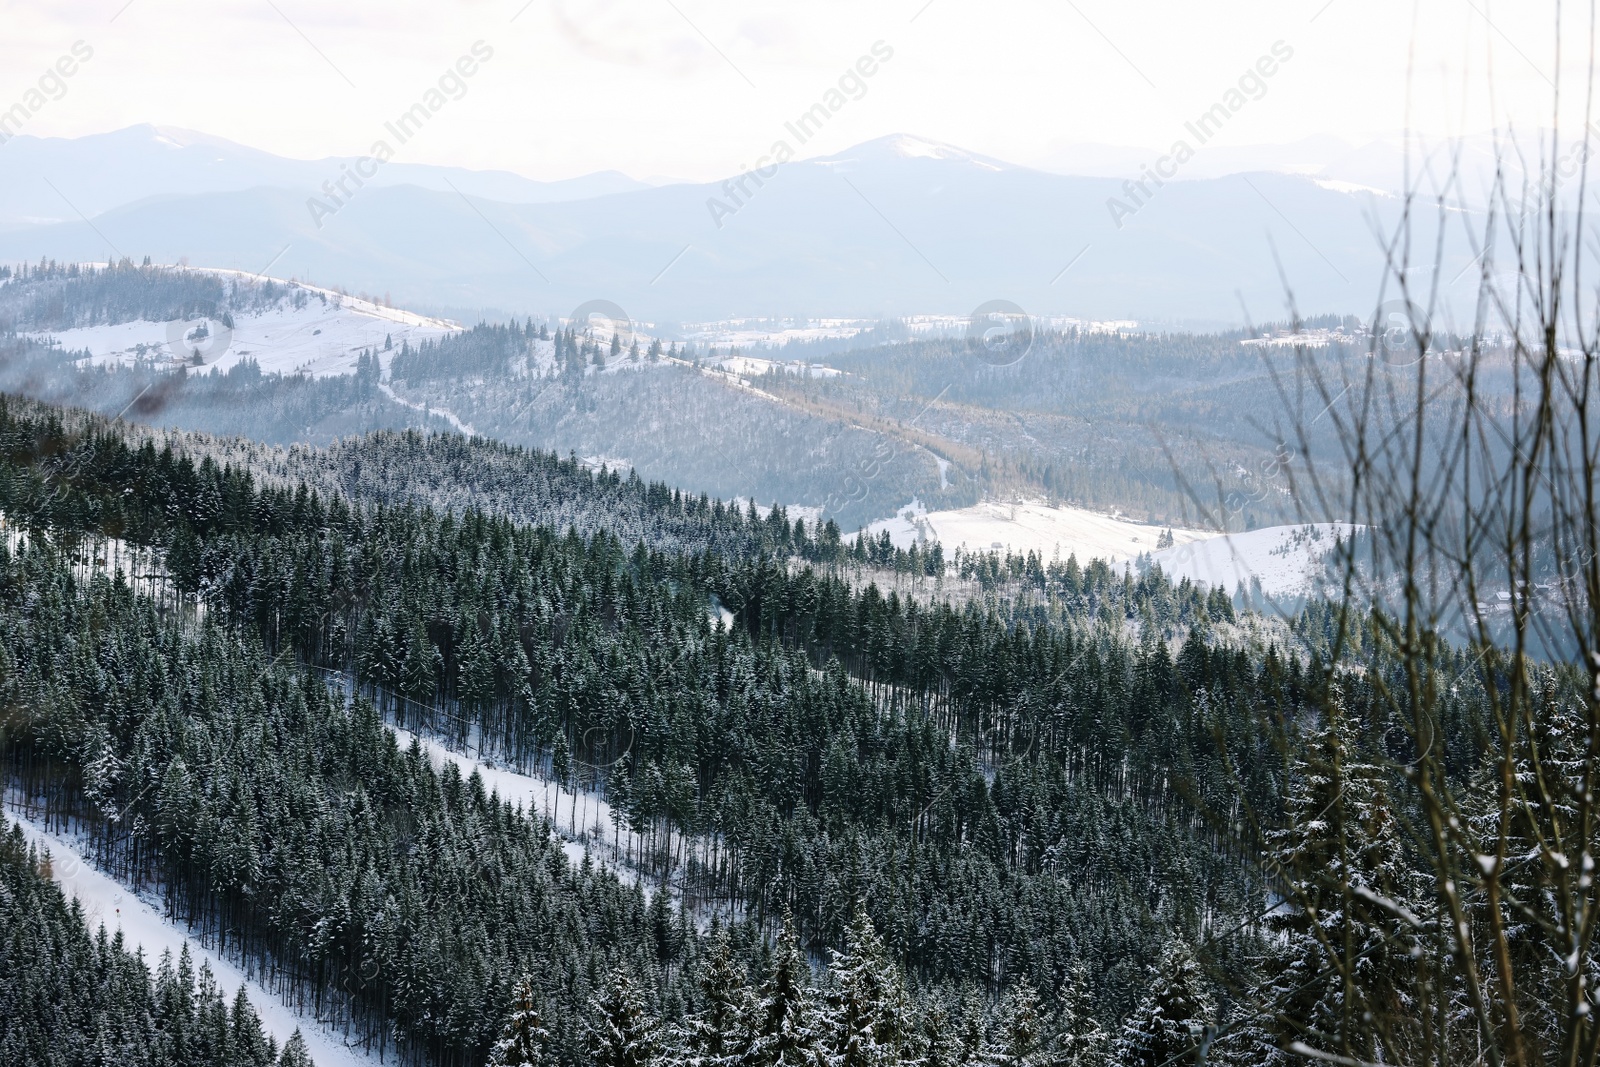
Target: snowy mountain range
(895, 226)
(50, 179)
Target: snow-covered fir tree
(719, 1033)
(1079, 1040)
(524, 1039)
(1169, 1026)
(787, 1021)
(870, 1016)
(295, 1053)
(1019, 1037)
(621, 1031)
(1338, 974)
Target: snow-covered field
(1287, 559)
(771, 333)
(109, 903)
(957, 325)
(1053, 532)
(750, 366)
(322, 337)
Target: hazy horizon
(694, 92)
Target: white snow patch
(1337, 186)
(540, 360)
(107, 902)
(1287, 559)
(752, 366)
(323, 338)
(1030, 526)
(772, 333)
(907, 147)
(957, 325)
(535, 795)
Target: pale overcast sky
(700, 88)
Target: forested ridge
(925, 419)
(1035, 805)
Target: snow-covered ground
(771, 333)
(572, 811)
(957, 325)
(322, 337)
(140, 568)
(109, 903)
(750, 366)
(1053, 532)
(1287, 559)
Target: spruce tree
(621, 1032)
(523, 1039)
(869, 1021)
(251, 1047)
(1078, 1039)
(719, 1034)
(786, 1019)
(1018, 1040)
(1335, 976)
(1168, 1027)
(295, 1053)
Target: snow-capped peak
(906, 146)
(180, 137)
(910, 146)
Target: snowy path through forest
(536, 796)
(444, 413)
(107, 902)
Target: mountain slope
(109, 170)
(889, 228)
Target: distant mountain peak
(898, 146)
(175, 136)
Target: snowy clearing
(107, 902)
(772, 333)
(1053, 532)
(321, 337)
(584, 809)
(1287, 559)
(754, 366)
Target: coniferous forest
(818, 807)
(73, 998)
(1116, 678)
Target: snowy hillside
(109, 903)
(1286, 559)
(1029, 527)
(313, 331)
(772, 333)
(754, 366)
